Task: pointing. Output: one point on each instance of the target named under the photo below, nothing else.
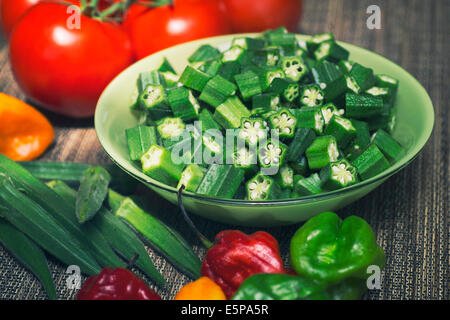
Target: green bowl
(415, 123)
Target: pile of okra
(270, 117)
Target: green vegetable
(230, 113)
(248, 43)
(303, 138)
(207, 121)
(194, 79)
(329, 110)
(300, 165)
(233, 54)
(311, 96)
(157, 163)
(363, 106)
(314, 42)
(92, 192)
(139, 139)
(191, 177)
(152, 97)
(337, 175)
(149, 78)
(370, 163)
(271, 154)
(363, 76)
(310, 117)
(284, 122)
(390, 148)
(166, 66)
(33, 220)
(322, 151)
(116, 233)
(28, 253)
(266, 101)
(330, 50)
(308, 186)
(330, 79)
(267, 74)
(248, 83)
(262, 187)
(293, 68)
(217, 90)
(286, 88)
(229, 69)
(204, 53)
(221, 181)
(342, 129)
(160, 237)
(285, 177)
(272, 286)
(330, 250)
(183, 103)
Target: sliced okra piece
(285, 177)
(157, 163)
(170, 79)
(229, 69)
(385, 94)
(152, 96)
(252, 131)
(330, 79)
(166, 66)
(217, 90)
(345, 66)
(329, 110)
(262, 187)
(311, 95)
(212, 67)
(214, 151)
(303, 138)
(363, 76)
(233, 54)
(269, 56)
(248, 84)
(207, 122)
(310, 117)
(139, 140)
(245, 158)
(321, 152)
(169, 128)
(390, 148)
(183, 103)
(194, 79)
(361, 141)
(363, 106)
(204, 53)
(267, 74)
(300, 166)
(191, 177)
(284, 122)
(342, 129)
(338, 175)
(386, 81)
(286, 88)
(314, 41)
(370, 163)
(330, 50)
(267, 33)
(284, 40)
(149, 78)
(266, 101)
(293, 68)
(230, 113)
(308, 186)
(221, 180)
(181, 148)
(385, 122)
(351, 84)
(248, 43)
(271, 154)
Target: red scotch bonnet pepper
(235, 256)
(116, 284)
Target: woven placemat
(409, 212)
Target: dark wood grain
(409, 212)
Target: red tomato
(155, 29)
(62, 69)
(260, 15)
(12, 10)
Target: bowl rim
(238, 202)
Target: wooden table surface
(409, 212)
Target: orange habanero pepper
(202, 289)
(24, 132)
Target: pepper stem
(208, 244)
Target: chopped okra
(265, 118)
(262, 187)
(311, 96)
(338, 175)
(252, 130)
(284, 122)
